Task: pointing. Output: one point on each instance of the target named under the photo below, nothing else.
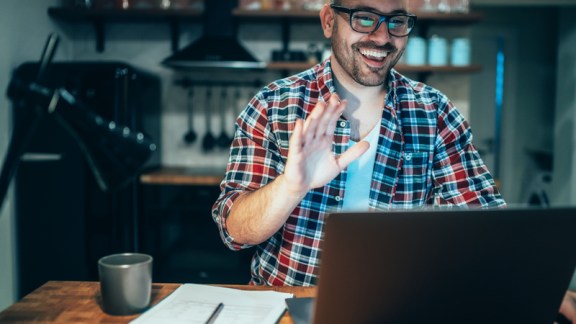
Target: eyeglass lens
(367, 22)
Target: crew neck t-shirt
(359, 175)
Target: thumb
(352, 154)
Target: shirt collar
(326, 81)
(393, 84)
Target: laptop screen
(473, 266)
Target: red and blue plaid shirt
(424, 156)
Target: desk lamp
(115, 154)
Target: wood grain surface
(79, 302)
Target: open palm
(311, 163)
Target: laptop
(449, 266)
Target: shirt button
(337, 198)
(342, 124)
(408, 156)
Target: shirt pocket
(413, 179)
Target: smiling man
(351, 133)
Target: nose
(381, 35)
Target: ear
(327, 20)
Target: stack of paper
(192, 303)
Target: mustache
(388, 47)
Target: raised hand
(311, 163)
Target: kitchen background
(526, 83)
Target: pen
(215, 313)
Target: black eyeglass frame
(381, 18)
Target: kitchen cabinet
(178, 230)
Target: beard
(351, 61)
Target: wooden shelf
(459, 18)
(175, 16)
(122, 15)
(79, 14)
(438, 69)
(451, 18)
(401, 67)
(72, 14)
(274, 14)
(286, 17)
(292, 66)
(100, 16)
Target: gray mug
(125, 283)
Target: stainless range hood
(219, 46)
(214, 52)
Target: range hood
(219, 46)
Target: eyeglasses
(366, 22)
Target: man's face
(366, 58)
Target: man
(349, 133)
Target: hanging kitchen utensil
(208, 141)
(190, 135)
(238, 105)
(238, 102)
(223, 140)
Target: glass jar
(462, 6)
(315, 5)
(460, 52)
(415, 51)
(437, 51)
(444, 6)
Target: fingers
(352, 154)
(331, 125)
(333, 110)
(322, 120)
(312, 122)
(296, 138)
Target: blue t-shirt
(359, 175)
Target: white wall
(24, 27)
(564, 177)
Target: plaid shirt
(424, 156)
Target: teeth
(374, 53)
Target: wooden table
(79, 302)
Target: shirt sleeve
(254, 162)
(460, 176)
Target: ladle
(190, 135)
(223, 140)
(208, 141)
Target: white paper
(192, 303)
